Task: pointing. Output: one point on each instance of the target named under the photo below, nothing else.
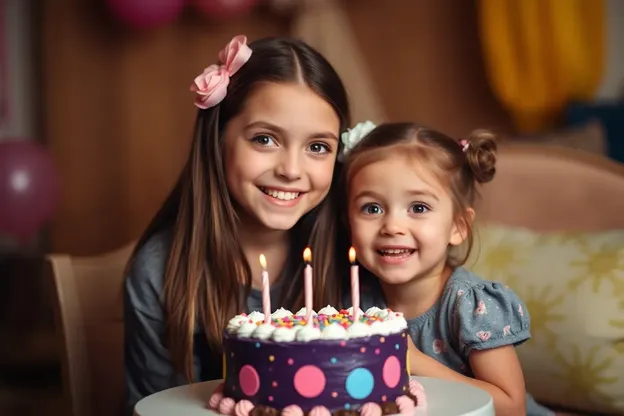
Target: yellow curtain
(542, 54)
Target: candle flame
(352, 255)
(307, 255)
(263, 261)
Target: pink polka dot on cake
(270, 398)
(274, 384)
(377, 351)
(309, 381)
(363, 349)
(391, 372)
(249, 380)
(343, 343)
(290, 361)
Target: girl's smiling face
(402, 220)
(279, 154)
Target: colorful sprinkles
(342, 318)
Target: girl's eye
(319, 148)
(372, 209)
(264, 140)
(419, 208)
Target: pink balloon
(29, 188)
(146, 14)
(223, 9)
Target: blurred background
(96, 114)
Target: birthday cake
(332, 364)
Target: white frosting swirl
(328, 310)
(246, 329)
(334, 331)
(373, 311)
(380, 328)
(308, 333)
(350, 310)
(281, 313)
(284, 334)
(236, 322)
(359, 330)
(263, 331)
(303, 312)
(256, 316)
(396, 324)
(381, 313)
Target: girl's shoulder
(146, 272)
(484, 313)
(463, 281)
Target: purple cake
(330, 366)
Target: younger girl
(259, 180)
(411, 193)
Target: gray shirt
(147, 362)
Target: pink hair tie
(211, 85)
(464, 144)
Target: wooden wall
(118, 114)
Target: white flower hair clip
(352, 137)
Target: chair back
(89, 315)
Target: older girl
(259, 179)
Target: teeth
(285, 196)
(396, 251)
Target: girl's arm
(147, 364)
(496, 371)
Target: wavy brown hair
(206, 264)
(462, 171)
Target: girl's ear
(462, 227)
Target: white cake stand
(444, 398)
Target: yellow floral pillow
(573, 286)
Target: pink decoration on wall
(309, 381)
(145, 14)
(392, 371)
(249, 380)
(29, 188)
(223, 9)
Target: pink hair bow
(211, 85)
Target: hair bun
(481, 155)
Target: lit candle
(355, 285)
(307, 284)
(266, 292)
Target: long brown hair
(206, 263)
(461, 165)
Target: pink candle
(355, 285)
(266, 292)
(307, 284)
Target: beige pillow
(573, 286)
(589, 137)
